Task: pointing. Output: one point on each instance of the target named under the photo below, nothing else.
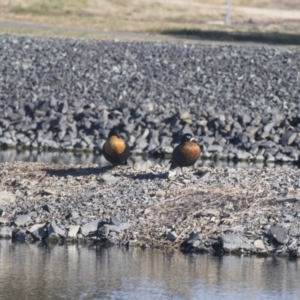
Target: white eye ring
(192, 139)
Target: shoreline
(208, 210)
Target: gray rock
(73, 215)
(73, 231)
(171, 236)
(7, 198)
(193, 237)
(39, 231)
(108, 179)
(259, 245)
(20, 235)
(3, 220)
(288, 138)
(90, 227)
(5, 232)
(235, 242)
(294, 230)
(114, 221)
(268, 127)
(54, 229)
(279, 234)
(22, 220)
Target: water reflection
(90, 158)
(77, 272)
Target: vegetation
(95, 18)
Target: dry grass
(211, 209)
(152, 15)
(216, 201)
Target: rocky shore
(213, 210)
(242, 103)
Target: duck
(115, 150)
(186, 153)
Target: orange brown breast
(116, 151)
(185, 155)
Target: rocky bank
(241, 102)
(212, 210)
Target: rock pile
(242, 102)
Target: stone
(114, 221)
(171, 236)
(3, 220)
(233, 242)
(20, 235)
(39, 231)
(294, 230)
(73, 215)
(90, 227)
(56, 230)
(7, 198)
(73, 231)
(279, 234)
(160, 193)
(22, 220)
(5, 232)
(288, 138)
(193, 237)
(108, 179)
(268, 127)
(259, 245)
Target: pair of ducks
(116, 151)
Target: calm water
(79, 272)
(90, 158)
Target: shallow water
(78, 272)
(90, 158)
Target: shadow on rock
(149, 175)
(75, 172)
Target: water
(90, 158)
(79, 272)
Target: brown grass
(151, 15)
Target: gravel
(242, 103)
(206, 210)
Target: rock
(90, 227)
(259, 245)
(20, 235)
(106, 228)
(22, 220)
(233, 242)
(215, 148)
(193, 237)
(288, 138)
(160, 193)
(5, 232)
(171, 236)
(114, 221)
(73, 215)
(39, 231)
(279, 234)
(294, 230)
(7, 198)
(73, 231)
(54, 229)
(268, 127)
(108, 179)
(3, 220)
